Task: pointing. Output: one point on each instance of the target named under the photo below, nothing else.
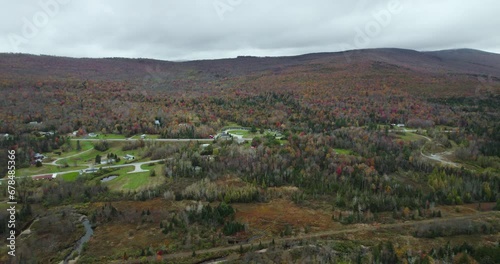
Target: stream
(79, 245)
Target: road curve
(437, 156)
(137, 166)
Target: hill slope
(454, 72)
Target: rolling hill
(445, 73)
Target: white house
(129, 157)
(39, 156)
(108, 161)
(91, 170)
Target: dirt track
(333, 232)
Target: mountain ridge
(463, 68)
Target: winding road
(438, 156)
(137, 165)
(54, 163)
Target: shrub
(102, 145)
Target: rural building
(39, 156)
(129, 157)
(91, 170)
(45, 177)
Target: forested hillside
(373, 137)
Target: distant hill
(458, 71)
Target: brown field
(130, 233)
(113, 238)
(465, 209)
(272, 217)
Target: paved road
(137, 165)
(137, 168)
(149, 139)
(157, 139)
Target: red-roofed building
(45, 177)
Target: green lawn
(242, 132)
(343, 151)
(135, 181)
(115, 148)
(85, 145)
(69, 176)
(231, 124)
(36, 170)
(407, 136)
(45, 169)
(110, 136)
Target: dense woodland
(319, 107)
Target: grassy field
(407, 136)
(85, 145)
(135, 181)
(89, 156)
(45, 169)
(243, 133)
(110, 136)
(343, 151)
(231, 124)
(70, 176)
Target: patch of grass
(69, 176)
(85, 145)
(135, 181)
(231, 124)
(343, 151)
(36, 170)
(407, 136)
(111, 136)
(243, 133)
(45, 169)
(114, 147)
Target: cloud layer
(203, 29)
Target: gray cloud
(201, 29)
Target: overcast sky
(204, 29)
